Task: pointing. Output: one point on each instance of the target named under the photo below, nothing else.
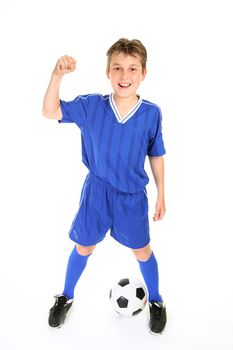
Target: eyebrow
(131, 65)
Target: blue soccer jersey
(114, 148)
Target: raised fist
(65, 64)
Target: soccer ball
(128, 297)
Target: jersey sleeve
(155, 146)
(74, 111)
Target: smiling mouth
(124, 85)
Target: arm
(157, 168)
(51, 104)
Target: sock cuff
(79, 255)
(152, 256)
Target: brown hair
(128, 47)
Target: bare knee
(85, 250)
(142, 254)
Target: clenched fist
(65, 64)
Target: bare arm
(157, 168)
(51, 104)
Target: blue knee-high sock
(75, 267)
(149, 270)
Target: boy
(117, 131)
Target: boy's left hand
(159, 209)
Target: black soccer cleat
(158, 317)
(57, 313)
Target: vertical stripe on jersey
(131, 147)
(92, 149)
(108, 171)
(119, 158)
(142, 149)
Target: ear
(144, 74)
(107, 72)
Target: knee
(142, 254)
(85, 250)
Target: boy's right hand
(65, 64)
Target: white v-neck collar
(129, 115)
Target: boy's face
(125, 73)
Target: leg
(76, 265)
(149, 269)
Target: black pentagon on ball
(123, 282)
(140, 293)
(110, 294)
(122, 302)
(136, 312)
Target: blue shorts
(103, 207)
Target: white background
(190, 76)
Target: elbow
(46, 113)
(51, 113)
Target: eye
(133, 69)
(116, 68)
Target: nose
(123, 74)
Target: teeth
(124, 84)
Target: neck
(125, 101)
